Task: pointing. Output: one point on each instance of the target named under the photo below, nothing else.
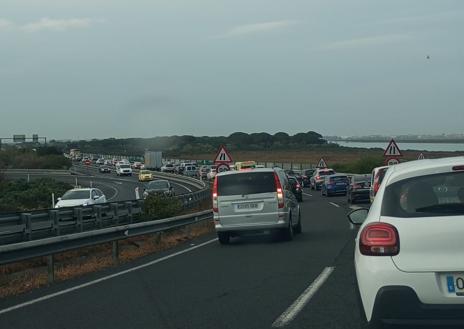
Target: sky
(82, 69)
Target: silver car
(258, 200)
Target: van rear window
(246, 183)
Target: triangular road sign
(392, 150)
(322, 164)
(223, 156)
(421, 156)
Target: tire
(287, 233)
(298, 227)
(224, 237)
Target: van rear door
(247, 198)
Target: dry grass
(24, 276)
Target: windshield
(76, 195)
(158, 185)
(124, 166)
(425, 196)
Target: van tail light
(215, 195)
(379, 239)
(280, 191)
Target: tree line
(187, 144)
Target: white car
(81, 197)
(123, 169)
(409, 254)
(212, 173)
(169, 168)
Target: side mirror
(358, 216)
(96, 197)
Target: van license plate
(243, 206)
(455, 284)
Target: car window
(246, 183)
(425, 196)
(339, 179)
(76, 195)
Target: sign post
(392, 153)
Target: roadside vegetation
(40, 158)
(176, 145)
(364, 165)
(158, 207)
(19, 195)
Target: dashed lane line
(334, 204)
(291, 312)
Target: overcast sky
(100, 68)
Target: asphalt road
(114, 187)
(247, 284)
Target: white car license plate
(244, 206)
(455, 283)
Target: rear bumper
(255, 227)
(364, 195)
(400, 305)
(336, 191)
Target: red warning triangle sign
(322, 163)
(223, 156)
(392, 150)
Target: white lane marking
(307, 194)
(291, 312)
(355, 207)
(105, 278)
(119, 183)
(116, 191)
(334, 204)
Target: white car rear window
(425, 196)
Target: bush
(23, 196)
(160, 206)
(364, 165)
(27, 159)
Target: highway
(253, 283)
(114, 187)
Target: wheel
(224, 237)
(287, 233)
(298, 228)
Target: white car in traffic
(81, 197)
(409, 254)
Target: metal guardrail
(40, 224)
(52, 245)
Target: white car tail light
(379, 239)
